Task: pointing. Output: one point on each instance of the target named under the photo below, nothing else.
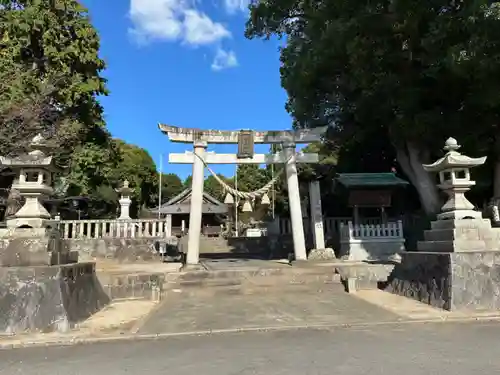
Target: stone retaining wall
(117, 249)
(48, 298)
(450, 281)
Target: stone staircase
(279, 277)
(214, 245)
(237, 276)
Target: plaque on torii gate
(245, 140)
(245, 144)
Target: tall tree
(51, 43)
(171, 185)
(412, 71)
(137, 167)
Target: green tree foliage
(214, 188)
(137, 167)
(49, 57)
(251, 177)
(171, 186)
(413, 72)
(187, 182)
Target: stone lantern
(33, 182)
(125, 200)
(454, 180)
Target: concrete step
(266, 277)
(249, 289)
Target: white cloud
(174, 20)
(200, 29)
(233, 6)
(224, 60)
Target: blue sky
(185, 63)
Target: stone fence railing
(331, 225)
(391, 230)
(334, 227)
(93, 229)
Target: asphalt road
(409, 349)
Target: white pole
(159, 186)
(273, 193)
(236, 202)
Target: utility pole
(273, 191)
(159, 186)
(236, 203)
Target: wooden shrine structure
(177, 210)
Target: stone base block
(376, 249)
(48, 298)
(28, 222)
(321, 254)
(146, 286)
(460, 236)
(29, 248)
(451, 281)
(366, 275)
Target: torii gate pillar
(195, 213)
(299, 243)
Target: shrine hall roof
(181, 204)
(350, 180)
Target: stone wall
(268, 246)
(117, 249)
(147, 286)
(450, 281)
(48, 298)
(476, 280)
(425, 277)
(125, 250)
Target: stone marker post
(316, 215)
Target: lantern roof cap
(453, 159)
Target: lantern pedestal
(457, 265)
(42, 286)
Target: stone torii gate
(245, 140)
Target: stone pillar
(299, 243)
(124, 208)
(193, 252)
(168, 225)
(316, 215)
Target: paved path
(289, 306)
(410, 349)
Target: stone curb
(75, 340)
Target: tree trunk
(411, 158)
(496, 179)
(496, 171)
